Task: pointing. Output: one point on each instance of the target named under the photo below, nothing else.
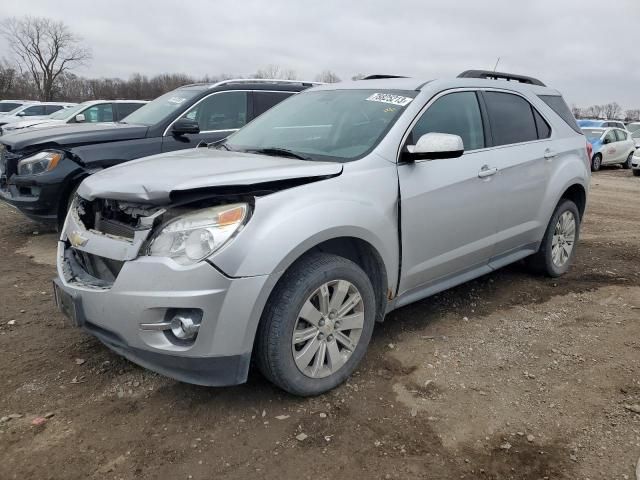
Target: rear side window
(263, 101)
(558, 105)
(622, 136)
(52, 108)
(511, 118)
(455, 114)
(125, 109)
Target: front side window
(67, 113)
(610, 137)
(511, 118)
(35, 110)
(331, 125)
(99, 113)
(455, 114)
(220, 111)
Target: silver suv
(287, 242)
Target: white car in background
(33, 111)
(94, 111)
(610, 146)
(7, 105)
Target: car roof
(417, 84)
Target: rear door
(448, 207)
(522, 152)
(610, 147)
(218, 115)
(627, 146)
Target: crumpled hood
(153, 179)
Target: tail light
(589, 152)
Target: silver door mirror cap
(80, 118)
(433, 146)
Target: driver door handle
(549, 154)
(485, 171)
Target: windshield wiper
(283, 152)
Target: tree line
(611, 111)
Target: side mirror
(606, 141)
(185, 126)
(434, 146)
(21, 114)
(80, 118)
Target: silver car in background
(287, 242)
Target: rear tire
(558, 247)
(301, 343)
(636, 173)
(627, 164)
(596, 162)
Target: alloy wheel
(328, 329)
(564, 236)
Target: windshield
(160, 108)
(593, 134)
(67, 113)
(335, 125)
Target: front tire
(596, 162)
(317, 325)
(636, 173)
(559, 243)
(627, 164)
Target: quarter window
(511, 118)
(455, 114)
(221, 111)
(544, 130)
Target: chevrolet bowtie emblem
(77, 240)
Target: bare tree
(632, 115)
(577, 111)
(358, 76)
(327, 76)
(612, 110)
(45, 48)
(8, 76)
(277, 72)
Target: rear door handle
(485, 171)
(549, 154)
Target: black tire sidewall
(551, 268)
(595, 166)
(627, 164)
(300, 283)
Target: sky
(587, 49)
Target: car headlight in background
(39, 163)
(192, 237)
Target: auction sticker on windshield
(390, 98)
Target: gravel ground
(510, 376)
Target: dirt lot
(507, 377)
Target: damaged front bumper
(117, 295)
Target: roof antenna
(496, 65)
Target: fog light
(183, 327)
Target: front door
(448, 207)
(218, 115)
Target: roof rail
(265, 80)
(490, 75)
(380, 76)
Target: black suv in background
(39, 170)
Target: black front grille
(113, 227)
(92, 269)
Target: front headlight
(190, 238)
(39, 163)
